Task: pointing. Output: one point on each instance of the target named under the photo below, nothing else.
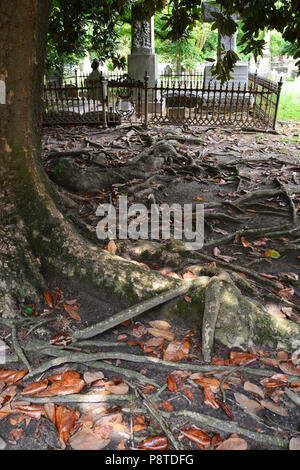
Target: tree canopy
(78, 26)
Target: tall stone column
(264, 62)
(227, 43)
(142, 58)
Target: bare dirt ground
(249, 185)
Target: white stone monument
(264, 62)
(142, 59)
(226, 43)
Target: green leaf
(27, 310)
(272, 254)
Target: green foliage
(278, 46)
(81, 26)
(184, 51)
(256, 16)
(28, 310)
(78, 26)
(289, 104)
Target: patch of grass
(289, 104)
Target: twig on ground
(289, 200)
(157, 415)
(17, 347)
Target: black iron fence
(175, 99)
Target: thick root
(239, 321)
(20, 277)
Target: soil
(257, 161)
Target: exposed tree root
(62, 357)
(210, 315)
(228, 427)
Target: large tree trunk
(34, 233)
(22, 195)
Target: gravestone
(142, 59)
(168, 70)
(226, 43)
(264, 62)
(239, 74)
(94, 83)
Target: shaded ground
(215, 167)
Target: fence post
(146, 80)
(103, 99)
(280, 83)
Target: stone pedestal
(264, 62)
(140, 64)
(142, 59)
(239, 74)
(232, 99)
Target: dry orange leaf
(154, 443)
(238, 358)
(12, 376)
(50, 411)
(15, 435)
(189, 394)
(72, 311)
(160, 324)
(285, 292)
(276, 381)
(33, 411)
(209, 398)
(64, 384)
(197, 436)
(177, 350)
(211, 382)
(139, 427)
(111, 247)
(48, 299)
(168, 335)
(233, 443)
(155, 342)
(61, 339)
(245, 243)
(289, 368)
(148, 389)
(65, 421)
(225, 408)
(166, 406)
(172, 386)
(36, 387)
(122, 445)
(139, 419)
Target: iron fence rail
(180, 100)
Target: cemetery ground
(144, 383)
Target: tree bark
(23, 27)
(35, 235)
